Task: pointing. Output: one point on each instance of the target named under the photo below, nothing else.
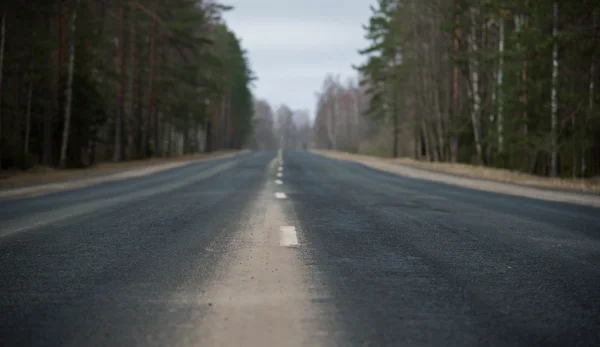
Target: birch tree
(474, 74)
(554, 102)
(476, 82)
(499, 82)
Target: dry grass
(591, 185)
(43, 174)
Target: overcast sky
(293, 44)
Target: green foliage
(180, 48)
(435, 43)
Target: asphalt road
(221, 253)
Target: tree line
(85, 81)
(281, 128)
(502, 83)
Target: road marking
(279, 181)
(279, 174)
(288, 236)
(280, 168)
(263, 297)
(272, 164)
(280, 195)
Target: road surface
(322, 252)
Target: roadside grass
(43, 174)
(591, 185)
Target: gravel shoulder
(28, 184)
(522, 188)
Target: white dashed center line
(279, 174)
(288, 236)
(280, 168)
(280, 195)
(278, 181)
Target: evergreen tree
(144, 80)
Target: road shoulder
(466, 182)
(103, 177)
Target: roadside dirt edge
(42, 189)
(473, 183)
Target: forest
(281, 127)
(83, 82)
(503, 83)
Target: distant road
(320, 252)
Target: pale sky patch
(293, 45)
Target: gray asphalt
(403, 261)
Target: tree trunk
(590, 104)
(120, 64)
(156, 141)
(63, 19)
(554, 101)
(2, 41)
(395, 135)
(499, 92)
(231, 135)
(69, 90)
(130, 114)
(52, 109)
(153, 43)
(520, 22)
(169, 130)
(331, 125)
(435, 84)
(455, 111)
(427, 107)
(426, 142)
(525, 99)
(439, 124)
(28, 120)
(48, 143)
(394, 103)
(413, 117)
(156, 121)
(224, 117)
(142, 139)
(208, 147)
(476, 107)
(186, 134)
